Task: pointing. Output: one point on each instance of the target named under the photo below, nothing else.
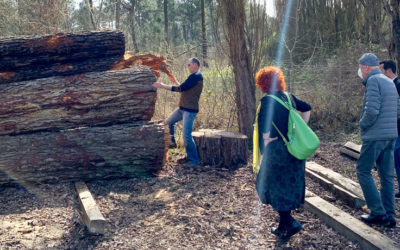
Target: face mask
(360, 73)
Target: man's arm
(173, 80)
(160, 85)
(372, 105)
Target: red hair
(266, 76)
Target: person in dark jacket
(388, 68)
(281, 178)
(190, 91)
(378, 127)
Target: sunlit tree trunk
(117, 13)
(166, 21)
(234, 15)
(131, 9)
(392, 8)
(203, 34)
(91, 13)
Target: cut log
(90, 99)
(347, 225)
(58, 69)
(336, 178)
(117, 151)
(221, 148)
(91, 214)
(29, 52)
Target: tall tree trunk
(117, 13)
(166, 21)
(234, 14)
(203, 34)
(91, 13)
(131, 9)
(392, 7)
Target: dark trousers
(397, 160)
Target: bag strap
(287, 105)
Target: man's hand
(173, 80)
(157, 85)
(160, 85)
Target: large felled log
(58, 69)
(221, 148)
(118, 151)
(97, 98)
(26, 52)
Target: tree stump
(221, 148)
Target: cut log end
(221, 148)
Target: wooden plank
(351, 153)
(347, 225)
(336, 178)
(352, 146)
(348, 197)
(91, 214)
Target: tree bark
(89, 99)
(166, 21)
(118, 151)
(244, 79)
(91, 13)
(221, 148)
(32, 52)
(59, 69)
(117, 13)
(131, 17)
(392, 8)
(203, 34)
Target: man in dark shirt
(190, 91)
(388, 68)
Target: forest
(318, 52)
(316, 43)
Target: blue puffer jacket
(380, 107)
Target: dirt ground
(206, 208)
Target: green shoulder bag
(303, 142)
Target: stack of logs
(65, 116)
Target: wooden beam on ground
(336, 178)
(348, 197)
(91, 214)
(350, 153)
(351, 149)
(347, 225)
(352, 146)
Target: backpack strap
(287, 105)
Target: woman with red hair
(281, 177)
